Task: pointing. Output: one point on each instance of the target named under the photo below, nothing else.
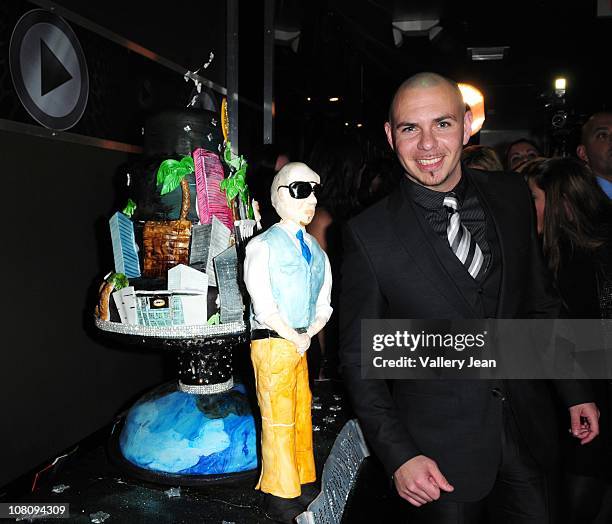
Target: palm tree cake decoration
(166, 243)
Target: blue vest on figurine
(295, 283)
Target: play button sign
(52, 73)
(49, 70)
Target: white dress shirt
(257, 278)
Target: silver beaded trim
(230, 328)
(207, 389)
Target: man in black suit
(457, 449)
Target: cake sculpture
(177, 286)
(288, 277)
(187, 215)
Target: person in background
(526, 166)
(264, 163)
(481, 157)
(596, 148)
(339, 162)
(520, 151)
(380, 177)
(575, 223)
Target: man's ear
(467, 126)
(581, 152)
(389, 133)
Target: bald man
(596, 148)
(458, 450)
(288, 277)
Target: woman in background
(575, 220)
(575, 223)
(338, 160)
(481, 157)
(520, 151)
(264, 163)
(380, 177)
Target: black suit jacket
(394, 267)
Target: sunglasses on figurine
(301, 189)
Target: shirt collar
(291, 227)
(434, 200)
(606, 185)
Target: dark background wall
(59, 381)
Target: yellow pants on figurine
(284, 398)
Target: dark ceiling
(346, 49)
(185, 31)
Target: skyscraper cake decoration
(211, 200)
(125, 250)
(158, 256)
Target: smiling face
(297, 210)
(427, 131)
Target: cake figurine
(288, 277)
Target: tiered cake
(175, 238)
(176, 286)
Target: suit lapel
(493, 206)
(410, 228)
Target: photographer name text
(404, 340)
(429, 362)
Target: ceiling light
(403, 28)
(289, 36)
(488, 53)
(434, 32)
(560, 86)
(334, 99)
(474, 98)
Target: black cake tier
(179, 132)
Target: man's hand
(316, 326)
(302, 342)
(585, 421)
(419, 481)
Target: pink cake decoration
(210, 199)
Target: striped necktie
(305, 249)
(459, 238)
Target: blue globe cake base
(178, 438)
